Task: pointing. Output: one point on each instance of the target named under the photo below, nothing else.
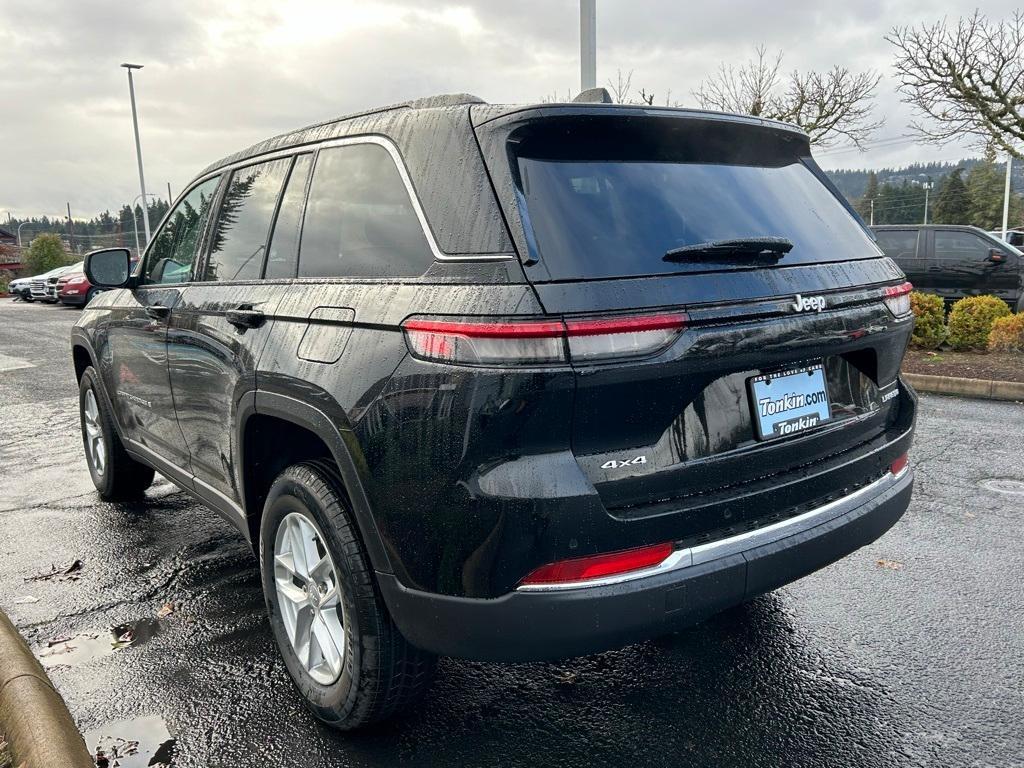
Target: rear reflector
(897, 299)
(532, 342)
(899, 465)
(598, 566)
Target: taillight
(523, 342)
(602, 339)
(899, 464)
(598, 566)
(897, 299)
(540, 342)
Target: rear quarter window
(899, 245)
(360, 220)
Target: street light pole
(927, 188)
(19, 232)
(588, 44)
(1006, 195)
(138, 146)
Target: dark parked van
(954, 262)
(506, 382)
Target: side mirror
(996, 256)
(109, 268)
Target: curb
(982, 388)
(33, 717)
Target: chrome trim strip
(703, 553)
(396, 156)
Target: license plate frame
(771, 392)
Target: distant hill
(852, 183)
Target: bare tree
(966, 79)
(827, 105)
(620, 87)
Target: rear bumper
(559, 623)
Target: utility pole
(927, 188)
(872, 211)
(1006, 194)
(170, 199)
(588, 44)
(138, 146)
(71, 229)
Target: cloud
(218, 77)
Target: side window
(243, 221)
(960, 246)
(284, 243)
(898, 245)
(170, 256)
(359, 219)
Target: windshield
(598, 218)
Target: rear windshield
(609, 208)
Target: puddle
(1004, 485)
(85, 646)
(143, 742)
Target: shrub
(1007, 334)
(5, 280)
(930, 320)
(45, 253)
(970, 321)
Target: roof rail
(445, 100)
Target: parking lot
(906, 653)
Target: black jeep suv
(506, 382)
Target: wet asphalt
(909, 652)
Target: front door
(135, 352)
(221, 323)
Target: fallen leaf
(26, 600)
(165, 611)
(892, 565)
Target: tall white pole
(927, 188)
(588, 44)
(138, 147)
(1006, 195)
(872, 211)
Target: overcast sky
(221, 75)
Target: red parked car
(75, 289)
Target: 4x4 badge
(613, 464)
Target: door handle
(158, 311)
(245, 317)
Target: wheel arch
(267, 421)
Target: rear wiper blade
(745, 247)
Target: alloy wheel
(309, 598)
(95, 448)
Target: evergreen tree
(985, 186)
(953, 201)
(870, 193)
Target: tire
(116, 475)
(89, 296)
(374, 671)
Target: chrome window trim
(703, 553)
(396, 157)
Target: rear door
(605, 204)
(224, 317)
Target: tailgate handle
(245, 316)
(158, 311)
